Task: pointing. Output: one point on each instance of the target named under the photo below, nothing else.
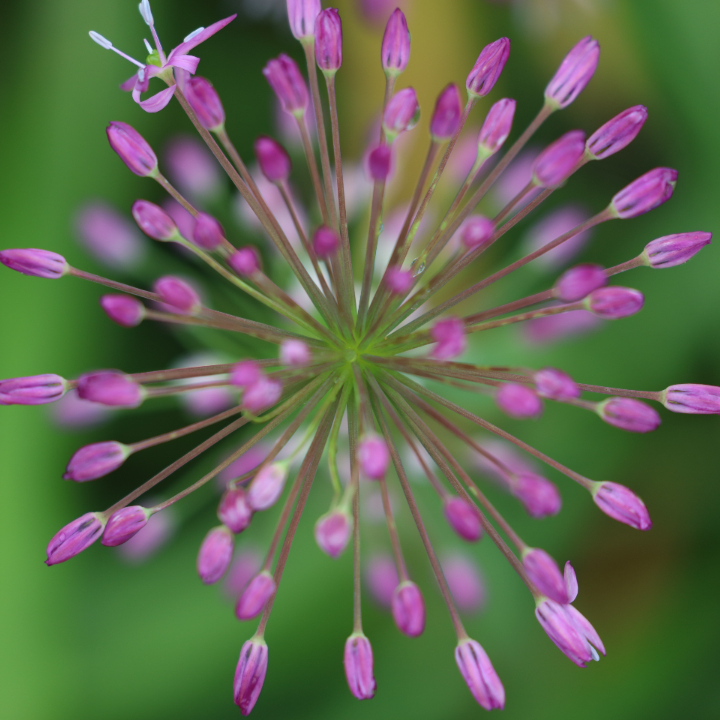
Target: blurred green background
(97, 637)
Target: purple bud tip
(205, 103)
(245, 373)
(476, 231)
(691, 398)
(215, 554)
(295, 353)
(617, 133)
(325, 242)
(250, 674)
(539, 496)
(555, 384)
(301, 15)
(261, 395)
(246, 261)
(74, 538)
(273, 159)
(154, 221)
(399, 281)
(445, 120)
(122, 309)
(255, 596)
(110, 387)
(36, 263)
(32, 390)
(464, 519)
(132, 149)
(234, 510)
(288, 84)
(208, 233)
(177, 294)
(644, 194)
(496, 128)
(557, 161)
(622, 504)
(328, 40)
(487, 68)
(672, 250)
(402, 113)
(545, 574)
(479, 674)
(449, 337)
(373, 456)
(408, 609)
(570, 631)
(123, 524)
(518, 401)
(579, 281)
(379, 161)
(629, 414)
(574, 73)
(358, 661)
(96, 460)
(395, 51)
(267, 486)
(613, 303)
(332, 532)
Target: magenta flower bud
(124, 524)
(395, 50)
(570, 631)
(497, 125)
(123, 309)
(154, 221)
(464, 519)
(302, 15)
(479, 674)
(402, 113)
(74, 538)
(691, 398)
(110, 387)
(208, 232)
(408, 609)
(245, 373)
(295, 353)
(325, 242)
(273, 159)
(132, 149)
(465, 582)
(234, 510)
(286, 81)
(629, 414)
(250, 674)
(358, 661)
(373, 456)
(574, 73)
(545, 574)
(379, 161)
(36, 263)
(94, 461)
(555, 384)
(205, 103)
(449, 337)
(245, 261)
(644, 194)
(32, 390)
(332, 532)
(579, 281)
(556, 162)
(622, 505)
(215, 554)
(261, 395)
(399, 281)
(539, 496)
(617, 133)
(476, 231)
(328, 41)
(671, 250)
(178, 295)
(267, 486)
(518, 401)
(487, 68)
(445, 119)
(255, 596)
(613, 303)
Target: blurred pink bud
(574, 73)
(246, 261)
(476, 231)
(579, 281)
(123, 525)
(205, 103)
(557, 161)
(539, 496)
(192, 167)
(72, 413)
(465, 583)
(629, 414)
(325, 242)
(571, 583)
(518, 401)
(132, 149)
(497, 125)
(449, 337)
(328, 40)
(208, 233)
(123, 309)
(154, 221)
(552, 226)
(261, 395)
(109, 236)
(556, 327)
(255, 596)
(273, 159)
(244, 567)
(178, 294)
(445, 120)
(110, 387)
(399, 281)
(617, 133)
(234, 510)
(401, 113)
(267, 486)
(245, 373)
(373, 456)
(613, 303)
(295, 353)
(181, 217)
(36, 263)
(464, 519)
(32, 390)
(555, 384)
(487, 68)
(332, 532)
(479, 674)
(250, 674)
(382, 579)
(408, 609)
(570, 631)
(692, 398)
(215, 554)
(671, 250)
(74, 538)
(150, 539)
(302, 15)
(545, 574)
(358, 661)
(288, 84)
(379, 162)
(395, 50)
(644, 194)
(96, 460)
(622, 505)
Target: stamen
(148, 46)
(103, 42)
(193, 34)
(146, 12)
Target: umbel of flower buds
(445, 120)
(36, 263)
(574, 73)
(671, 250)
(273, 159)
(395, 50)
(328, 41)
(617, 133)
(205, 103)
(132, 149)
(487, 68)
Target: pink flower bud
(328, 41)
(286, 81)
(302, 15)
(692, 398)
(539, 496)
(154, 221)
(205, 103)
(476, 231)
(395, 51)
(150, 539)
(382, 579)
(545, 574)
(399, 281)
(295, 353)
(123, 525)
(574, 73)
(261, 395)
(123, 309)
(497, 125)
(557, 161)
(255, 596)
(629, 414)
(110, 387)
(571, 583)
(373, 456)
(555, 384)
(32, 390)
(208, 232)
(408, 609)
(556, 327)
(193, 168)
(402, 113)
(234, 510)
(622, 505)
(463, 518)
(445, 119)
(479, 674)
(449, 337)
(487, 68)
(244, 374)
(267, 486)
(465, 583)
(671, 250)
(215, 554)
(644, 194)
(36, 263)
(132, 149)
(273, 159)
(579, 281)
(246, 261)
(94, 461)
(358, 661)
(325, 242)
(250, 674)
(570, 631)
(518, 401)
(74, 538)
(109, 236)
(379, 161)
(178, 295)
(613, 303)
(617, 133)
(332, 532)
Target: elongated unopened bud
(34, 262)
(154, 221)
(692, 398)
(479, 674)
(96, 460)
(558, 160)
(124, 524)
(574, 73)
(328, 41)
(32, 390)
(617, 133)
(123, 309)
(74, 538)
(395, 50)
(622, 505)
(132, 149)
(644, 194)
(445, 119)
(613, 303)
(497, 125)
(250, 674)
(487, 68)
(358, 662)
(671, 250)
